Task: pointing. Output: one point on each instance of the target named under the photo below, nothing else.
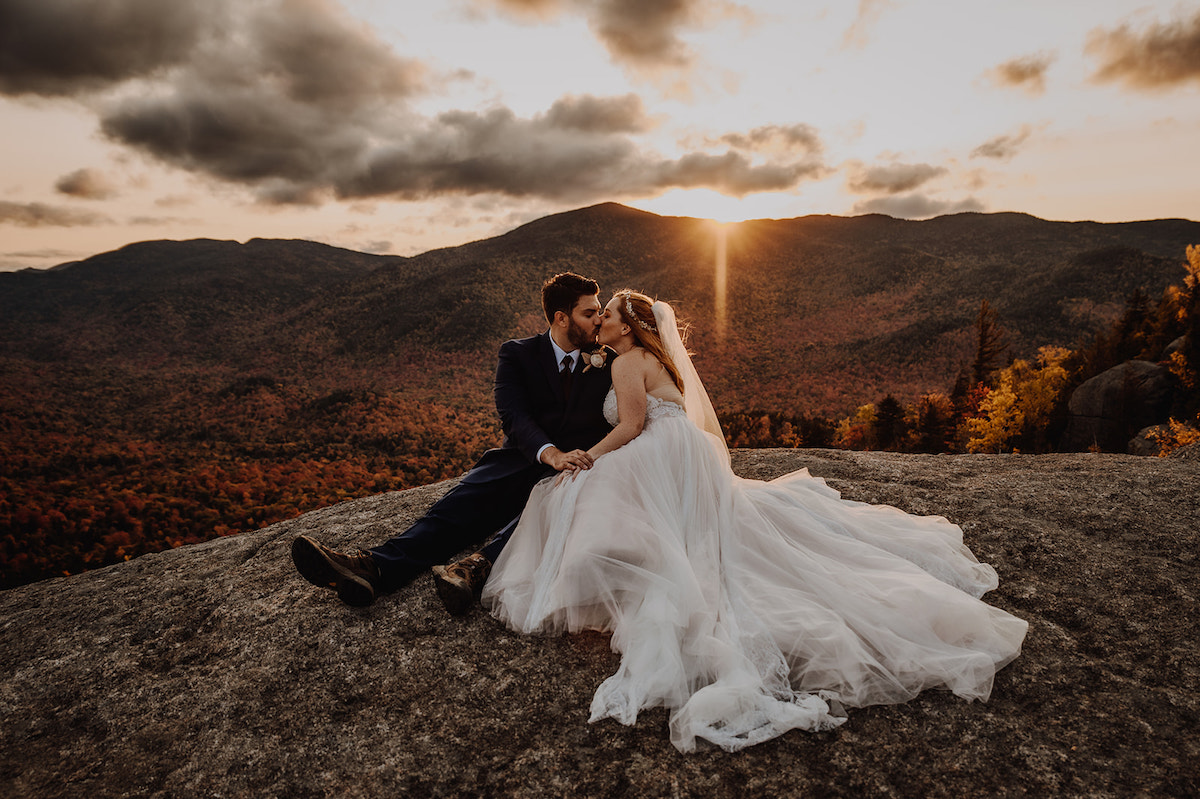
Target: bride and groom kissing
(746, 608)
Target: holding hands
(566, 461)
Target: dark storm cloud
(1005, 146)
(1159, 57)
(293, 153)
(244, 134)
(891, 179)
(315, 55)
(88, 184)
(465, 152)
(301, 103)
(42, 215)
(1028, 73)
(297, 94)
(916, 206)
(624, 114)
(63, 47)
(498, 152)
(308, 48)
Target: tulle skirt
(747, 608)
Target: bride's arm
(629, 372)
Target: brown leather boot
(460, 584)
(354, 576)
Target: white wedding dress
(747, 608)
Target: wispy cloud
(891, 178)
(783, 140)
(859, 32)
(625, 114)
(1027, 73)
(731, 173)
(1161, 56)
(43, 254)
(641, 35)
(160, 221)
(1005, 146)
(88, 184)
(42, 215)
(378, 247)
(916, 206)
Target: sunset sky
(397, 126)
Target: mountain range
(818, 313)
(173, 391)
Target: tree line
(1004, 404)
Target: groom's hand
(566, 461)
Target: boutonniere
(595, 360)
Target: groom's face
(585, 321)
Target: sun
(709, 204)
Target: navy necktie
(566, 376)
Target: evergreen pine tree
(991, 343)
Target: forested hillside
(172, 391)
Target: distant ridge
(169, 392)
(822, 311)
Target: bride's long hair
(637, 311)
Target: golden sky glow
(398, 127)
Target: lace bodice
(655, 408)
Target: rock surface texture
(215, 670)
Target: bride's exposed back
(746, 608)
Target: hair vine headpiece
(629, 312)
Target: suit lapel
(550, 365)
(592, 380)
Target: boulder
(1145, 443)
(214, 670)
(1105, 411)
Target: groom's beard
(580, 337)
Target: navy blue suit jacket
(533, 411)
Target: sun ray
(720, 277)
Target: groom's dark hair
(561, 292)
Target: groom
(551, 411)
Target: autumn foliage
(169, 392)
(1022, 406)
(88, 481)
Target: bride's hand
(567, 461)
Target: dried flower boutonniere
(597, 359)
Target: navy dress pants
(482, 504)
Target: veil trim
(696, 403)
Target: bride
(746, 608)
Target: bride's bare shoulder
(636, 359)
